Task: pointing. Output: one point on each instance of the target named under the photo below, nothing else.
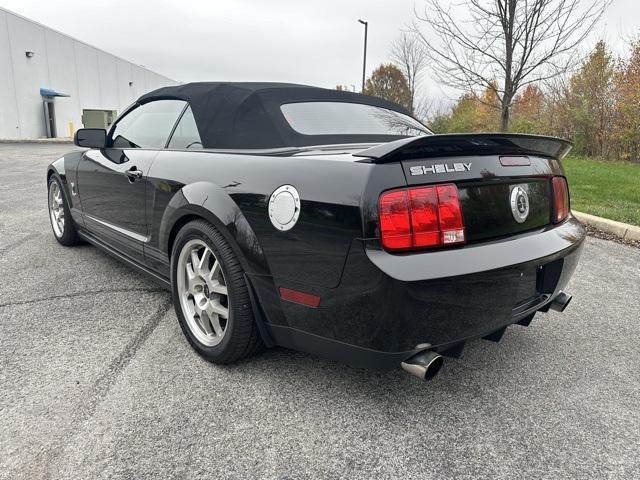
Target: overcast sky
(317, 42)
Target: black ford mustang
(324, 221)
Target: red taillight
(395, 226)
(560, 199)
(451, 224)
(424, 217)
(421, 217)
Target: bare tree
(425, 107)
(410, 56)
(505, 44)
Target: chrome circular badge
(519, 203)
(284, 207)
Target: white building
(34, 57)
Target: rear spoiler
(464, 144)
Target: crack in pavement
(103, 384)
(17, 243)
(84, 294)
(101, 387)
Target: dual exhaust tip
(560, 302)
(426, 364)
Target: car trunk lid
(465, 144)
(490, 171)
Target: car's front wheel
(60, 216)
(210, 295)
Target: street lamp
(364, 60)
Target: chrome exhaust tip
(424, 365)
(561, 302)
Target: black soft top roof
(247, 115)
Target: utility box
(98, 118)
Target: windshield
(341, 118)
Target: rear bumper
(389, 307)
(481, 257)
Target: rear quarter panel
(238, 187)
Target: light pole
(364, 60)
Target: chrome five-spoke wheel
(203, 292)
(56, 209)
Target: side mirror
(91, 138)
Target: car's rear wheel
(60, 216)
(210, 295)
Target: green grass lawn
(605, 189)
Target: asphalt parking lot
(97, 381)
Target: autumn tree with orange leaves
(627, 106)
(388, 82)
(597, 107)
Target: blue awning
(48, 92)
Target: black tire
(241, 338)
(69, 236)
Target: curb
(37, 140)
(619, 229)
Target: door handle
(134, 174)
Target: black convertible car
(324, 221)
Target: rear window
(341, 118)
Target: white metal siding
(8, 106)
(94, 79)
